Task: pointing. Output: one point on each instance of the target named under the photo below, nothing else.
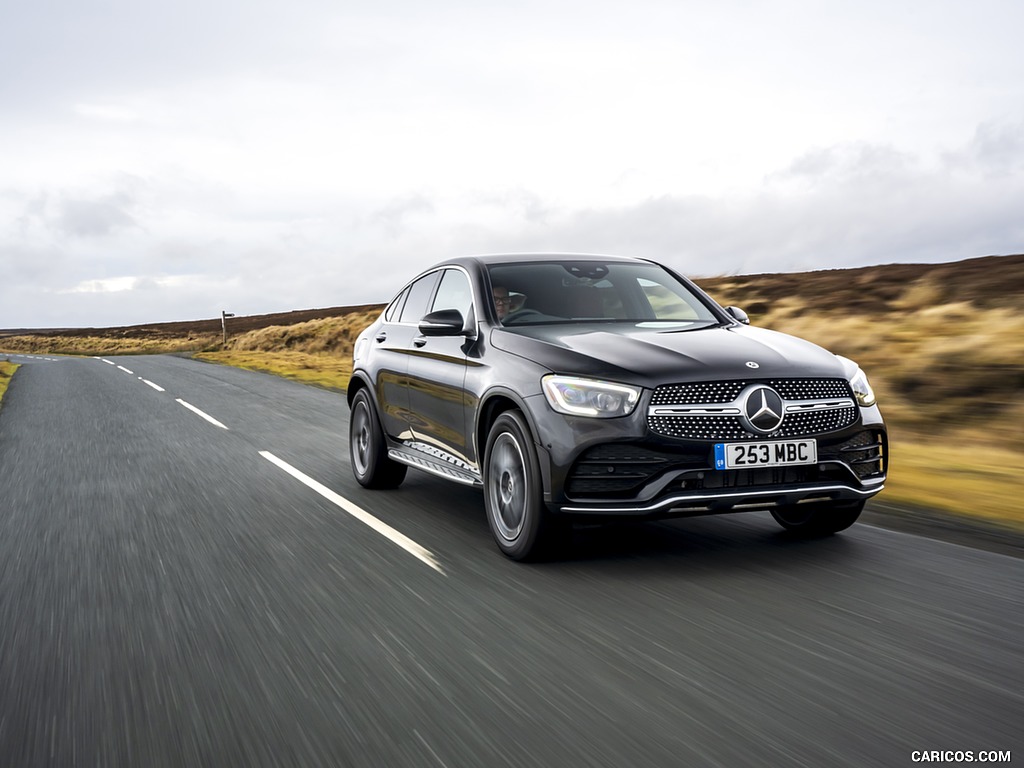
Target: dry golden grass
(7, 369)
(332, 335)
(104, 345)
(330, 371)
(973, 478)
(314, 352)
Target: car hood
(650, 357)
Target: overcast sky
(165, 161)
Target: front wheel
(521, 524)
(819, 518)
(367, 451)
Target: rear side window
(417, 297)
(394, 309)
(454, 293)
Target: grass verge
(971, 478)
(322, 370)
(7, 369)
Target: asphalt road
(179, 592)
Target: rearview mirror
(443, 322)
(738, 315)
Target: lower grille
(623, 470)
(865, 453)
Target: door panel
(394, 344)
(437, 375)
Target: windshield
(532, 293)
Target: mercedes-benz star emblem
(763, 410)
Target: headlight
(588, 397)
(861, 389)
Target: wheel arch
(359, 381)
(492, 405)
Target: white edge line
(197, 412)
(157, 387)
(360, 514)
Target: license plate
(780, 453)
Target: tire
(368, 452)
(520, 522)
(819, 519)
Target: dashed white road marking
(206, 416)
(360, 514)
(121, 367)
(108, 362)
(157, 387)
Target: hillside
(988, 282)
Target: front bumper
(617, 467)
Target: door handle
(381, 336)
(419, 341)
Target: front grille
(699, 427)
(816, 423)
(726, 391)
(692, 394)
(717, 427)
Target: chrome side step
(435, 466)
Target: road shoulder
(945, 526)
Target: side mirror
(443, 322)
(738, 315)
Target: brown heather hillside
(185, 330)
(991, 282)
(985, 283)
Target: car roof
(488, 259)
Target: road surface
(189, 576)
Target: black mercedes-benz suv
(581, 387)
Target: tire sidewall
(362, 401)
(818, 519)
(512, 424)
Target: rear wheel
(367, 449)
(522, 526)
(819, 518)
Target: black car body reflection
(599, 387)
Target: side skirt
(436, 462)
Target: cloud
(109, 112)
(93, 218)
(69, 213)
(162, 162)
(393, 216)
(132, 283)
(156, 249)
(997, 149)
